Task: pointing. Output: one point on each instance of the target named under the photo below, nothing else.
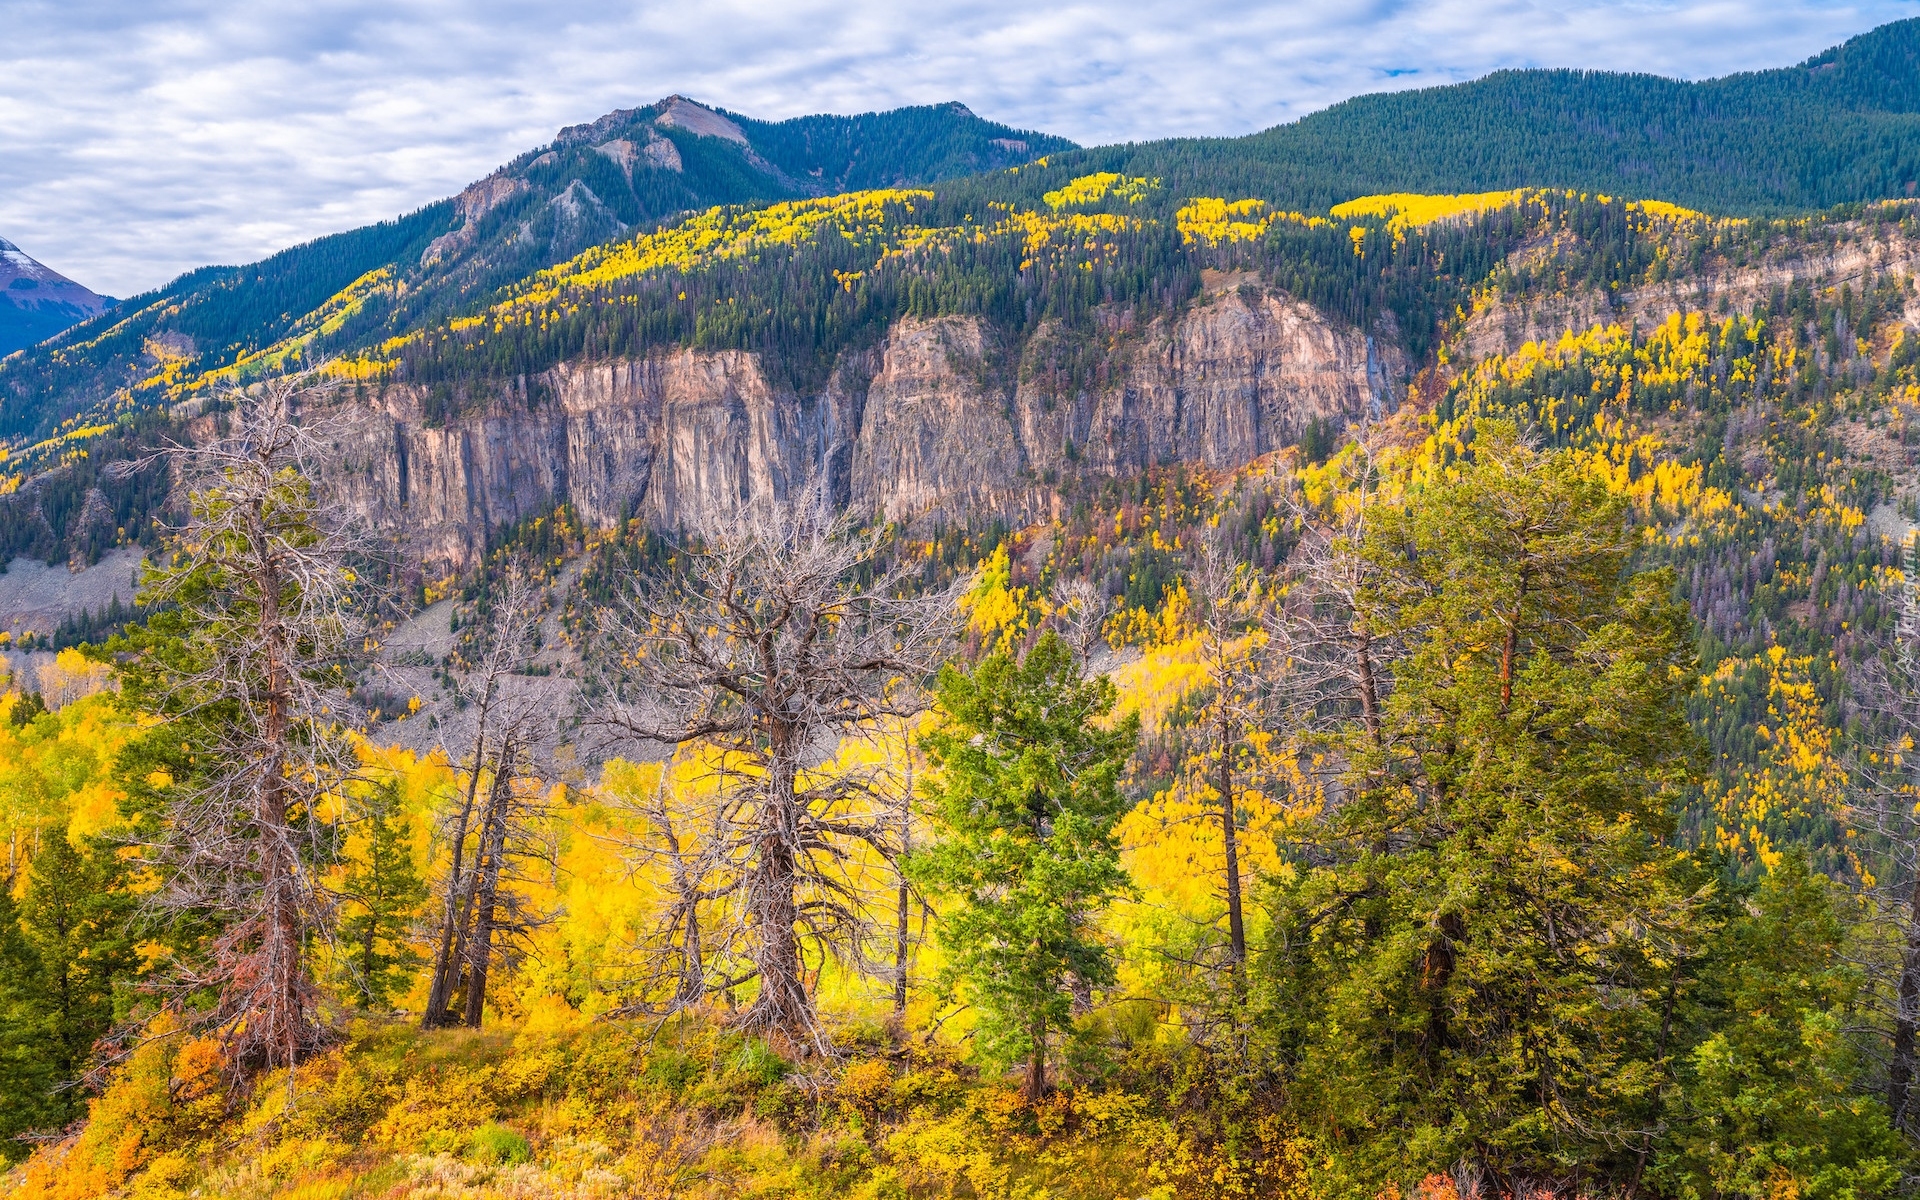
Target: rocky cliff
(946, 418)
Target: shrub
(493, 1144)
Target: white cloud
(138, 140)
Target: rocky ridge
(944, 419)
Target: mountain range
(1842, 127)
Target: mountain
(592, 183)
(37, 302)
(1842, 127)
(564, 330)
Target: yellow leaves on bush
(865, 1084)
(166, 1099)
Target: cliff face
(945, 417)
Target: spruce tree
(387, 892)
(77, 913)
(1469, 958)
(26, 1072)
(1026, 795)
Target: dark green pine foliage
(27, 1078)
(1766, 1067)
(1843, 126)
(1026, 798)
(78, 916)
(1465, 958)
(385, 892)
(66, 955)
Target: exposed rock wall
(946, 417)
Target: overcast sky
(140, 138)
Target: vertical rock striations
(945, 418)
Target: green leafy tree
(387, 892)
(1026, 795)
(1467, 966)
(1768, 1100)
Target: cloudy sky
(139, 138)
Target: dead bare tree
(1887, 806)
(1330, 658)
(510, 714)
(1228, 604)
(763, 645)
(1080, 614)
(261, 608)
(681, 844)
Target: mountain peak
(37, 301)
(682, 113)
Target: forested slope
(1838, 128)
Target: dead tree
(263, 609)
(1887, 805)
(1330, 656)
(763, 646)
(1080, 614)
(1228, 598)
(509, 712)
(679, 843)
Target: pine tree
(1027, 793)
(388, 892)
(26, 1074)
(1471, 958)
(77, 913)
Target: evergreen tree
(1768, 1102)
(1027, 795)
(77, 914)
(26, 1075)
(388, 891)
(1468, 963)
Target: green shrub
(493, 1144)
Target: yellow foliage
(1089, 189)
(1409, 210)
(1800, 772)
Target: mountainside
(593, 183)
(1841, 127)
(1844, 126)
(37, 302)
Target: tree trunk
(782, 1002)
(901, 898)
(486, 891)
(1369, 692)
(1229, 835)
(1901, 1070)
(1035, 1088)
(281, 1014)
(446, 958)
(693, 972)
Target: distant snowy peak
(37, 302)
(26, 283)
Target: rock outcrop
(946, 418)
